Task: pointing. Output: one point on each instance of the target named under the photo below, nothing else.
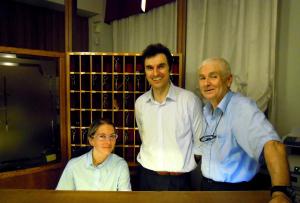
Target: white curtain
(241, 31)
(134, 33)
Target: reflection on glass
(105, 82)
(138, 81)
(125, 137)
(129, 154)
(74, 82)
(75, 136)
(129, 104)
(105, 101)
(85, 82)
(117, 83)
(117, 64)
(129, 119)
(118, 119)
(84, 136)
(115, 104)
(127, 79)
(29, 111)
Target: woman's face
(104, 139)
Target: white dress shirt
(169, 131)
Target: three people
(237, 137)
(99, 169)
(169, 119)
(232, 136)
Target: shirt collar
(221, 106)
(225, 101)
(171, 94)
(89, 162)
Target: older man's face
(212, 82)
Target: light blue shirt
(235, 154)
(170, 130)
(81, 174)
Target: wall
(100, 33)
(287, 82)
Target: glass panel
(139, 65)
(118, 82)
(140, 83)
(175, 67)
(74, 63)
(96, 82)
(85, 100)
(85, 63)
(85, 82)
(96, 100)
(107, 82)
(75, 100)
(129, 64)
(118, 119)
(129, 119)
(129, 82)
(29, 111)
(86, 118)
(118, 64)
(75, 136)
(96, 67)
(96, 115)
(107, 64)
(107, 101)
(74, 82)
(129, 101)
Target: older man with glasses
(237, 137)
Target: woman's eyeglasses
(103, 137)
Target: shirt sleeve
(66, 181)
(252, 129)
(124, 179)
(196, 123)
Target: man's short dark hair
(154, 49)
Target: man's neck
(160, 95)
(215, 103)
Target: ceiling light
(8, 64)
(8, 55)
(143, 5)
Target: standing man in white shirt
(169, 119)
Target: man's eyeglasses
(207, 138)
(103, 137)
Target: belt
(167, 173)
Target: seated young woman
(99, 169)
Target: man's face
(213, 83)
(157, 71)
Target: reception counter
(51, 196)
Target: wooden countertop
(52, 196)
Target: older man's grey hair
(226, 70)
